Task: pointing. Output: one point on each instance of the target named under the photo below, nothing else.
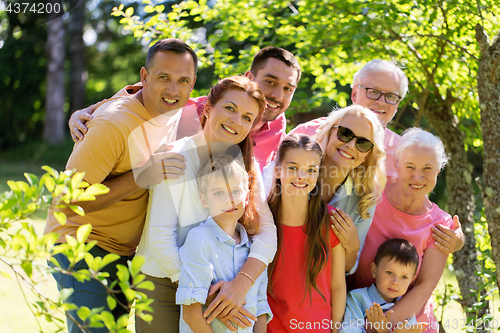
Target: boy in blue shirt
(218, 248)
(394, 269)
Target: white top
(175, 208)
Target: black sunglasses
(345, 135)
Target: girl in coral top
(307, 289)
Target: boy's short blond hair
(221, 165)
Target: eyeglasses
(374, 94)
(346, 135)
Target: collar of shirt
(264, 127)
(344, 191)
(225, 238)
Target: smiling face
(277, 81)
(168, 82)
(225, 200)
(417, 169)
(231, 118)
(298, 171)
(344, 154)
(392, 278)
(386, 82)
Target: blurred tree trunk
(488, 86)
(76, 55)
(55, 123)
(439, 113)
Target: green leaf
(129, 11)
(27, 266)
(147, 285)
(83, 312)
(48, 181)
(65, 293)
(83, 232)
(5, 274)
(96, 189)
(77, 209)
(51, 171)
(108, 319)
(111, 302)
(23, 186)
(122, 273)
(13, 186)
(60, 217)
(146, 317)
(149, 9)
(76, 180)
(32, 178)
(136, 264)
(109, 258)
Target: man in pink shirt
(277, 72)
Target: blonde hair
(218, 166)
(225, 165)
(370, 175)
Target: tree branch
(446, 40)
(412, 49)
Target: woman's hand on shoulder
(448, 240)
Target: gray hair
(378, 65)
(415, 136)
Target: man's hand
(380, 322)
(163, 164)
(77, 122)
(449, 240)
(229, 301)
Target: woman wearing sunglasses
(353, 173)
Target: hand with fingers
(163, 164)
(228, 305)
(448, 240)
(78, 120)
(377, 320)
(347, 233)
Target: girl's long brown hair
(242, 83)
(317, 224)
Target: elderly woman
(406, 212)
